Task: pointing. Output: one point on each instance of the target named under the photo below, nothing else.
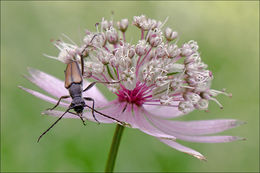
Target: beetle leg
(81, 56)
(80, 116)
(93, 83)
(82, 65)
(89, 86)
(53, 124)
(93, 107)
(62, 97)
(121, 122)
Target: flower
(156, 81)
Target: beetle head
(77, 104)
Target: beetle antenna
(53, 124)
(81, 57)
(121, 122)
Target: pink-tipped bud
(112, 36)
(131, 53)
(141, 48)
(155, 39)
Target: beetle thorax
(75, 90)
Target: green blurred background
(228, 36)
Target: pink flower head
(157, 81)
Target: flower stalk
(114, 148)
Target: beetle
(74, 83)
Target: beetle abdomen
(72, 74)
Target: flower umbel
(158, 81)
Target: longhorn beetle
(73, 82)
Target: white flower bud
(173, 51)
(154, 23)
(112, 36)
(186, 50)
(122, 25)
(192, 97)
(131, 53)
(141, 48)
(193, 45)
(170, 34)
(193, 58)
(185, 106)
(202, 104)
(155, 39)
(139, 21)
(106, 24)
(166, 100)
(161, 51)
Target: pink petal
(48, 83)
(43, 97)
(208, 139)
(94, 93)
(112, 109)
(87, 115)
(163, 111)
(202, 127)
(123, 112)
(135, 116)
(141, 122)
(182, 148)
(56, 87)
(119, 111)
(59, 113)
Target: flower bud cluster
(145, 23)
(172, 75)
(198, 78)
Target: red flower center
(137, 96)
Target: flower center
(137, 96)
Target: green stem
(114, 148)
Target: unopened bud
(170, 34)
(141, 48)
(185, 106)
(122, 25)
(173, 51)
(106, 24)
(131, 53)
(186, 50)
(202, 104)
(112, 36)
(155, 39)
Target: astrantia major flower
(158, 80)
